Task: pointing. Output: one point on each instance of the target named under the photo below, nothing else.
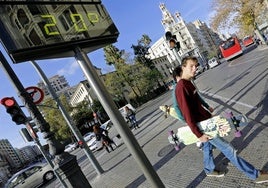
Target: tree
(141, 50)
(114, 56)
(240, 14)
(54, 117)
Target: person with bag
(193, 112)
(130, 115)
(177, 76)
(102, 135)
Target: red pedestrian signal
(14, 110)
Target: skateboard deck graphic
(215, 126)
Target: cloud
(69, 69)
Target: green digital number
(76, 19)
(50, 25)
(93, 17)
(80, 18)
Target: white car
(213, 62)
(91, 141)
(88, 136)
(32, 176)
(94, 144)
(107, 125)
(199, 70)
(70, 147)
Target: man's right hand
(204, 138)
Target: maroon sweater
(190, 105)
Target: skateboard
(173, 139)
(215, 126)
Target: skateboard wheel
(177, 148)
(170, 133)
(238, 134)
(228, 114)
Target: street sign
(34, 30)
(36, 94)
(31, 131)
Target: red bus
(231, 48)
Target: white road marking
(229, 100)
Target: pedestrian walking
(177, 72)
(102, 135)
(193, 112)
(131, 116)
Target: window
(17, 180)
(32, 170)
(22, 17)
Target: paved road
(241, 86)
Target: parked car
(213, 62)
(107, 125)
(91, 141)
(31, 176)
(70, 147)
(94, 144)
(88, 136)
(199, 70)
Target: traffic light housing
(172, 39)
(14, 110)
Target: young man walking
(193, 112)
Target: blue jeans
(229, 153)
(132, 119)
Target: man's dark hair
(177, 72)
(185, 59)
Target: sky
(132, 19)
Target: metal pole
(37, 142)
(117, 119)
(176, 55)
(65, 163)
(68, 119)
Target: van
(213, 62)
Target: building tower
(184, 34)
(9, 153)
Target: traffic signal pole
(66, 164)
(68, 119)
(117, 119)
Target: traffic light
(172, 39)
(14, 110)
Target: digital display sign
(34, 30)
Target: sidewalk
(182, 168)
